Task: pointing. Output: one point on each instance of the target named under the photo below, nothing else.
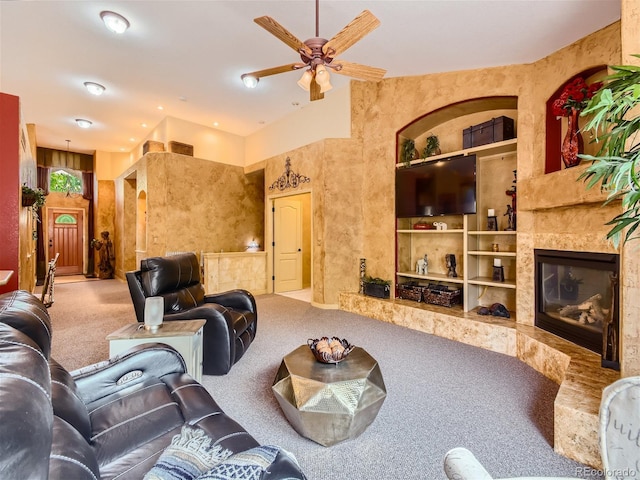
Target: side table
(183, 335)
(329, 403)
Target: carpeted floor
(441, 394)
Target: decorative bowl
(330, 349)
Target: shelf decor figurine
(511, 209)
(363, 273)
(422, 266)
(451, 265)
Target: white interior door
(287, 248)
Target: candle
(492, 213)
(497, 262)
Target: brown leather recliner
(232, 318)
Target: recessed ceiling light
(143, 125)
(114, 21)
(82, 123)
(160, 107)
(94, 88)
(132, 139)
(215, 124)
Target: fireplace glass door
(577, 299)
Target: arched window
(66, 219)
(66, 181)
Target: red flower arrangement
(575, 95)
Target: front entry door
(66, 238)
(287, 249)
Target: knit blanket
(191, 456)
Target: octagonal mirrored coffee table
(329, 403)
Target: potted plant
(433, 146)
(615, 125)
(376, 287)
(408, 151)
(34, 198)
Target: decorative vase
(572, 144)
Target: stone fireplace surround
(575, 369)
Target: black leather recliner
(232, 318)
(105, 421)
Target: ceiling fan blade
(354, 31)
(314, 91)
(275, 70)
(277, 30)
(356, 70)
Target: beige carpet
(441, 394)
(82, 315)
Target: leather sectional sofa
(105, 421)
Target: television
(440, 187)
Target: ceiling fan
(319, 55)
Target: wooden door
(66, 237)
(287, 249)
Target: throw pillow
(247, 465)
(189, 455)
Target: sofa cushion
(66, 401)
(26, 313)
(25, 406)
(71, 456)
(132, 418)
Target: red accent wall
(9, 188)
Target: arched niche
(556, 127)
(141, 221)
(448, 122)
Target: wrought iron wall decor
(289, 179)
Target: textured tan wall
(105, 213)
(192, 205)
(630, 348)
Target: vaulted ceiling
(187, 56)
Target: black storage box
(494, 130)
(377, 290)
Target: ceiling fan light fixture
(249, 80)
(305, 80)
(83, 123)
(94, 88)
(322, 78)
(114, 21)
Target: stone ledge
(575, 369)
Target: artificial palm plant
(615, 124)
